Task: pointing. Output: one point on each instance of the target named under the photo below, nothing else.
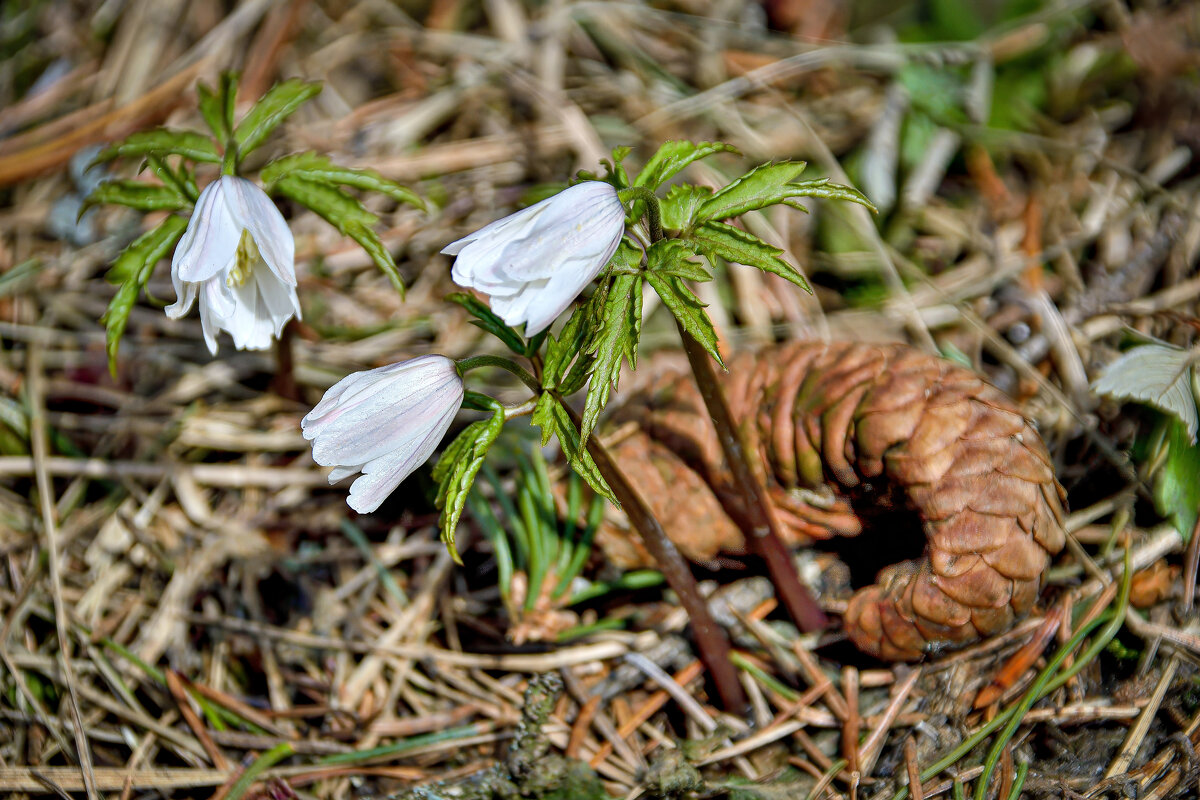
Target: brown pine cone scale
(844, 435)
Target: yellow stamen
(247, 257)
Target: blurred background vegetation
(186, 609)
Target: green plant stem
(754, 517)
(711, 641)
(475, 362)
(653, 213)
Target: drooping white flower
(535, 262)
(383, 423)
(237, 257)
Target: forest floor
(188, 609)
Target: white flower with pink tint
(383, 423)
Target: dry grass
(179, 595)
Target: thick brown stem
(284, 382)
(755, 518)
(710, 637)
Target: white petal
(209, 244)
(369, 429)
(249, 325)
(403, 386)
(279, 300)
(381, 476)
(211, 322)
(253, 210)
(341, 473)
(511, 227)
(185, 295)
(533, 267)
(580, 213)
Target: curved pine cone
(843, 430)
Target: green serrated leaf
(280, 101)
(562, 350)
(673, 257)
(734, 244)
(825, 190)
(591, 320)
(674, 156)
(213, 110)
(163, 142)
(346, 214)
(555, 421)
(456, 470)
(485, 318)
(769, 185)
(317, 168)
(680, 206)
(687, 310)
(179, 181)
(760, 187)
(616, 338)
(132, 270)
(137, 195)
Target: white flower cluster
(237, 254)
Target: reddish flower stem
(754, 517)
(711, 641)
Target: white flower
(535, 262)
(383, 423)
(237, 257)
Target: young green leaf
(212, 108)
(687, 310)
(617, 337)
(456, 470)
(674, 156)
(132, 270)
(275, 106)
(615, 169)
(734, 244)
(1176, 490)
(673, 257)
(680, 206)
(347, 215)
(137, 195)
(180, 180)
(317, 168)
(488, 321)
(163, 142)
(591, 320)
(554, 420)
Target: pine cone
(848, 436)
